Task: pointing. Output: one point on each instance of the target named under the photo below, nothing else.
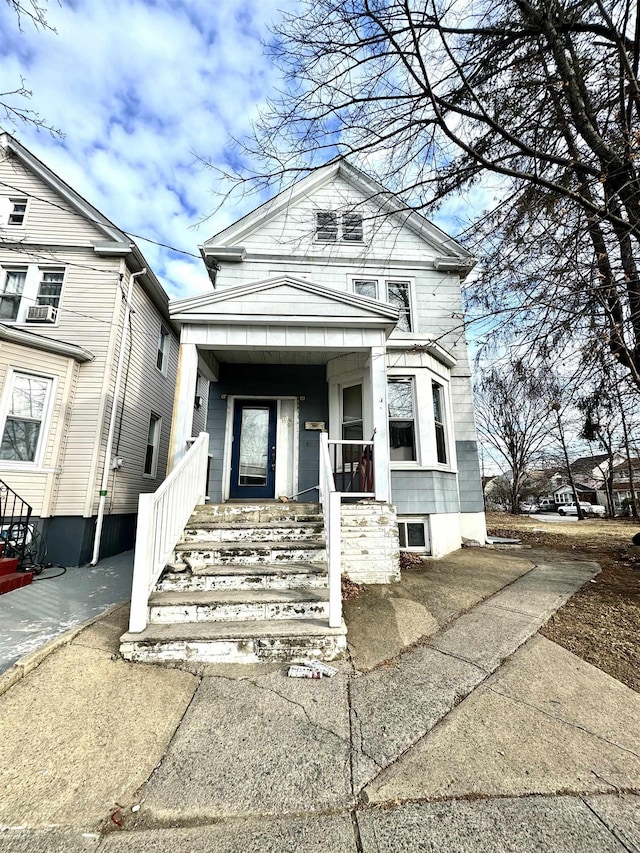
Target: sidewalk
(53, 604)
(454, 727)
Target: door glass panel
(352, 413)
(254, 447)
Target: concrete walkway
(453, 727)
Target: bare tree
(433, 96)
(12, 99)
(513, 417)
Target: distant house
(65, 275)
(622, 488)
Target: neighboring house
(343, 310)
(65, 272)
(621, 487)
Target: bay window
(402, 427)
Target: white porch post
(378, 379)
(183, 402)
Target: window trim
(411, 379)
(403, 520)
(440, 426)
(37, 462)
(153, 472)
(13, 202)
(164, 338)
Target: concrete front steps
(248, 583)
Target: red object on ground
(8, 565)
(14, 581)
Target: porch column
(183, 402)
(378, 379)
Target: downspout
(112, 419)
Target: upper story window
(24, 411)
(163, 350)
(332, 227)
(30, 294)
(394, 291)
(17, 211)
(11, 290)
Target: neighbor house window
(395, 292)
(438, 418)
(17, 211)
(11, 290)
(402, 430)
(50, 287)
(413, 534)
(163, 350)
(22, 427)
(153, 444)
(332, 227)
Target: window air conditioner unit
(42, 314)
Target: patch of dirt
(601, 622)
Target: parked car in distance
(587, 508)
(529, 508)
(546, 505)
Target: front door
(253, 450)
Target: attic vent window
(332, 227)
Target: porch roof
(286, 301)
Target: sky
(141, 90)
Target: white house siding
(144, 390)
(37, 486)
(199, 423)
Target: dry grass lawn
(601, 623)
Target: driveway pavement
(453, 726)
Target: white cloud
(137, 88)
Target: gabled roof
(453, 255)
(283, 300)
(117, 243)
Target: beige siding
(37, 486)
(49, 220)
(144, 390)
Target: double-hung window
(402, 426)
(17, 211)
(438, 418)
(352, 413)
(394, 291)
(332, 227)
(11, 290)
(153, 446)
(24, 416)
(50, 288)
(163, 350)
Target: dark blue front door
(253, 453)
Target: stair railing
(330, 500)
(15, 514)
(162, 516)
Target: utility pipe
(112, 419)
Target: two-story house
(88, 360)
(334, 338)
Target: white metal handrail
(330, 500)
(162, 516)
